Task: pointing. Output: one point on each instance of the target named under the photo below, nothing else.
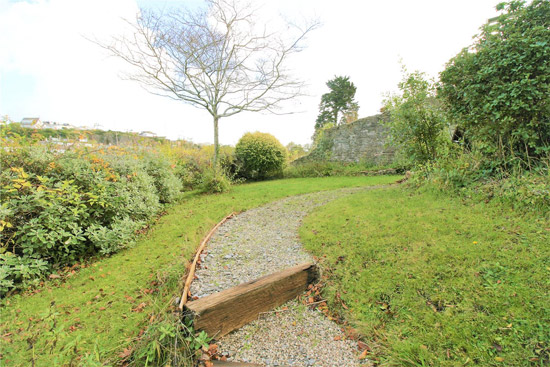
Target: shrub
(110, 239)
(416, 121)
(136, 194)
(60, 208)
(192, 164)
(166, 182)
(214, 183)
(497, 89)
(15, 269)
(260, 155)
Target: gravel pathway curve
(259, 242)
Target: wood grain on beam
(225, 311)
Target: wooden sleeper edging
(225, 311)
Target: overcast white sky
(49, 70)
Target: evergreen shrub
(260, 156)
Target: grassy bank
(93, 313)
(431, 281)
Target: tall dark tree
(337, 103)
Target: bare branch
(217, 59)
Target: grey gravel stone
(259, 242)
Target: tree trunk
(216, 145)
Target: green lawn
(97, 311)
(432, 281)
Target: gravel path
(259, 242)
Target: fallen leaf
(54, 276)
(499, 359)
(140, 307)
(127, 352)
(363, 354)
(362, 345)
(338, 337)
(212, 348)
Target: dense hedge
(497, 90)
(60, 208)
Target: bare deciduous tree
(217, 59)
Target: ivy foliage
(260, 155)
(498, 89)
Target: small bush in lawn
(214, 183)
(260, 155)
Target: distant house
(52, 125)
(148, 134)
(67, 126)
(32, 123)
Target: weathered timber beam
(225, 311)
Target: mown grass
(432, 281)
(96, 312)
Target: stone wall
(362, 140)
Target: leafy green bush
(497, 90)
(192, 164)
(61, 208)
(214, 183)
(110, 239)
(166, 182)
(416, 121)
(15, 269)
(260, 155)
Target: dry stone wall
(362, 140)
